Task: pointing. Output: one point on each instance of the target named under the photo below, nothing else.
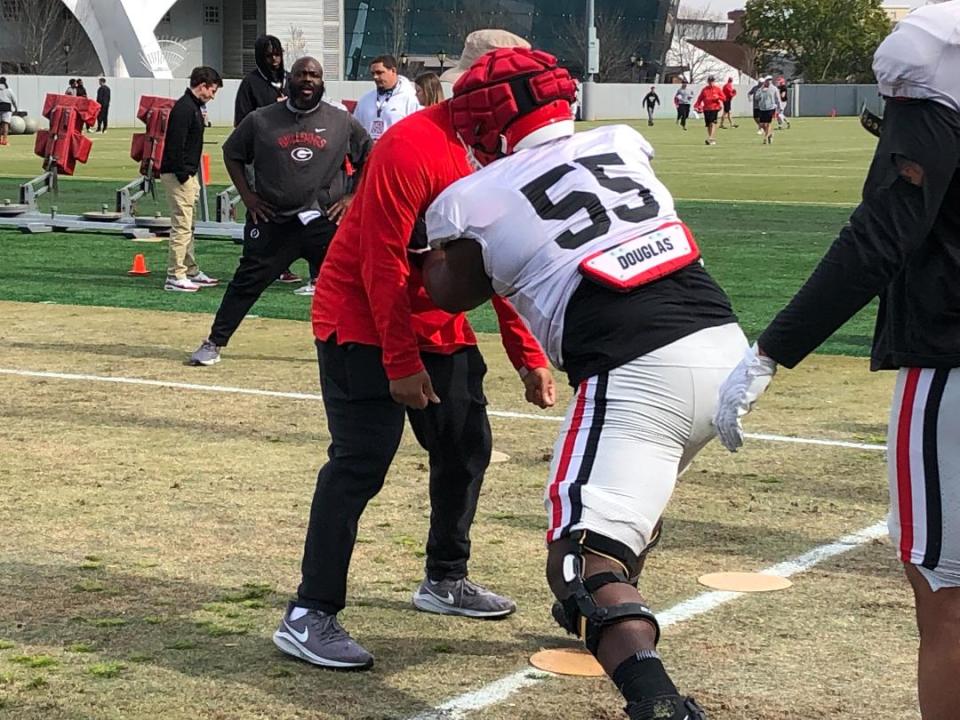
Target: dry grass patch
(155, 536)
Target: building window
(211, 14)
(166, 17)
(12, 10)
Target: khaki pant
(181, 199)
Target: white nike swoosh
(319, 130)
(302, 637)
(448, 599)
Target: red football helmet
(508, 94)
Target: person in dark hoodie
(264, 86)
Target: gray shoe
(461, 597)
(206, 354)
(319, 639)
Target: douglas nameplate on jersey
(643, 259)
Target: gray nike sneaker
(206, 354)
(461, 597)
(319, 639)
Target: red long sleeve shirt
(711, 98)
(368, 292)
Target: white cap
(921, 57)
(478, 43)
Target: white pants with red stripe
(631, 431)
(923, 465)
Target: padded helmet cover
(504, 86)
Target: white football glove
(745, 383)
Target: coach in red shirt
(385, 350)
(729, 93)
(710, 102)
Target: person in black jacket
(902, 244)
(297, 149)
(263, 86)
(103, 98)
(182, 148)
(650, 102)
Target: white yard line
(501, 689)
(315, 397)
(729, 201)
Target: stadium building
(166, 38)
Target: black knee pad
(578, 612)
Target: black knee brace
(579, 613)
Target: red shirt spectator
(710, 98)
(368, 291)
(729, 91)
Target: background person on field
(429, 89)
(901, 245)
(768, 100)
(8, 104)
(683, 99)
(710, 103)
(393, 98)
(81, 89)
(297, 150)
(182, 148)
(784, 101)
(103, 99)
(71, 87)
(755, 99)
(729, 93)
(650, 102)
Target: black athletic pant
(683, 113)
(365, 426)
(102, 119)
(268, 250)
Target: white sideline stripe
(317, 397)
(730, 201)
(814, 441)
(501, 689)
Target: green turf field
(153, 513)
(763, 216)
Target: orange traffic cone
(139, 266)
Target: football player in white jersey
(581, 236)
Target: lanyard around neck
(386, 99)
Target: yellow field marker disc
(567, 661)
(744, 582)
(498, 457)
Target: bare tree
(46, 28)
(397, 11)
(296, 45)
(696, 23)
(617, 43)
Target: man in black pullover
(182, 148)
(297, 150)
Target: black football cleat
(666, 707)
